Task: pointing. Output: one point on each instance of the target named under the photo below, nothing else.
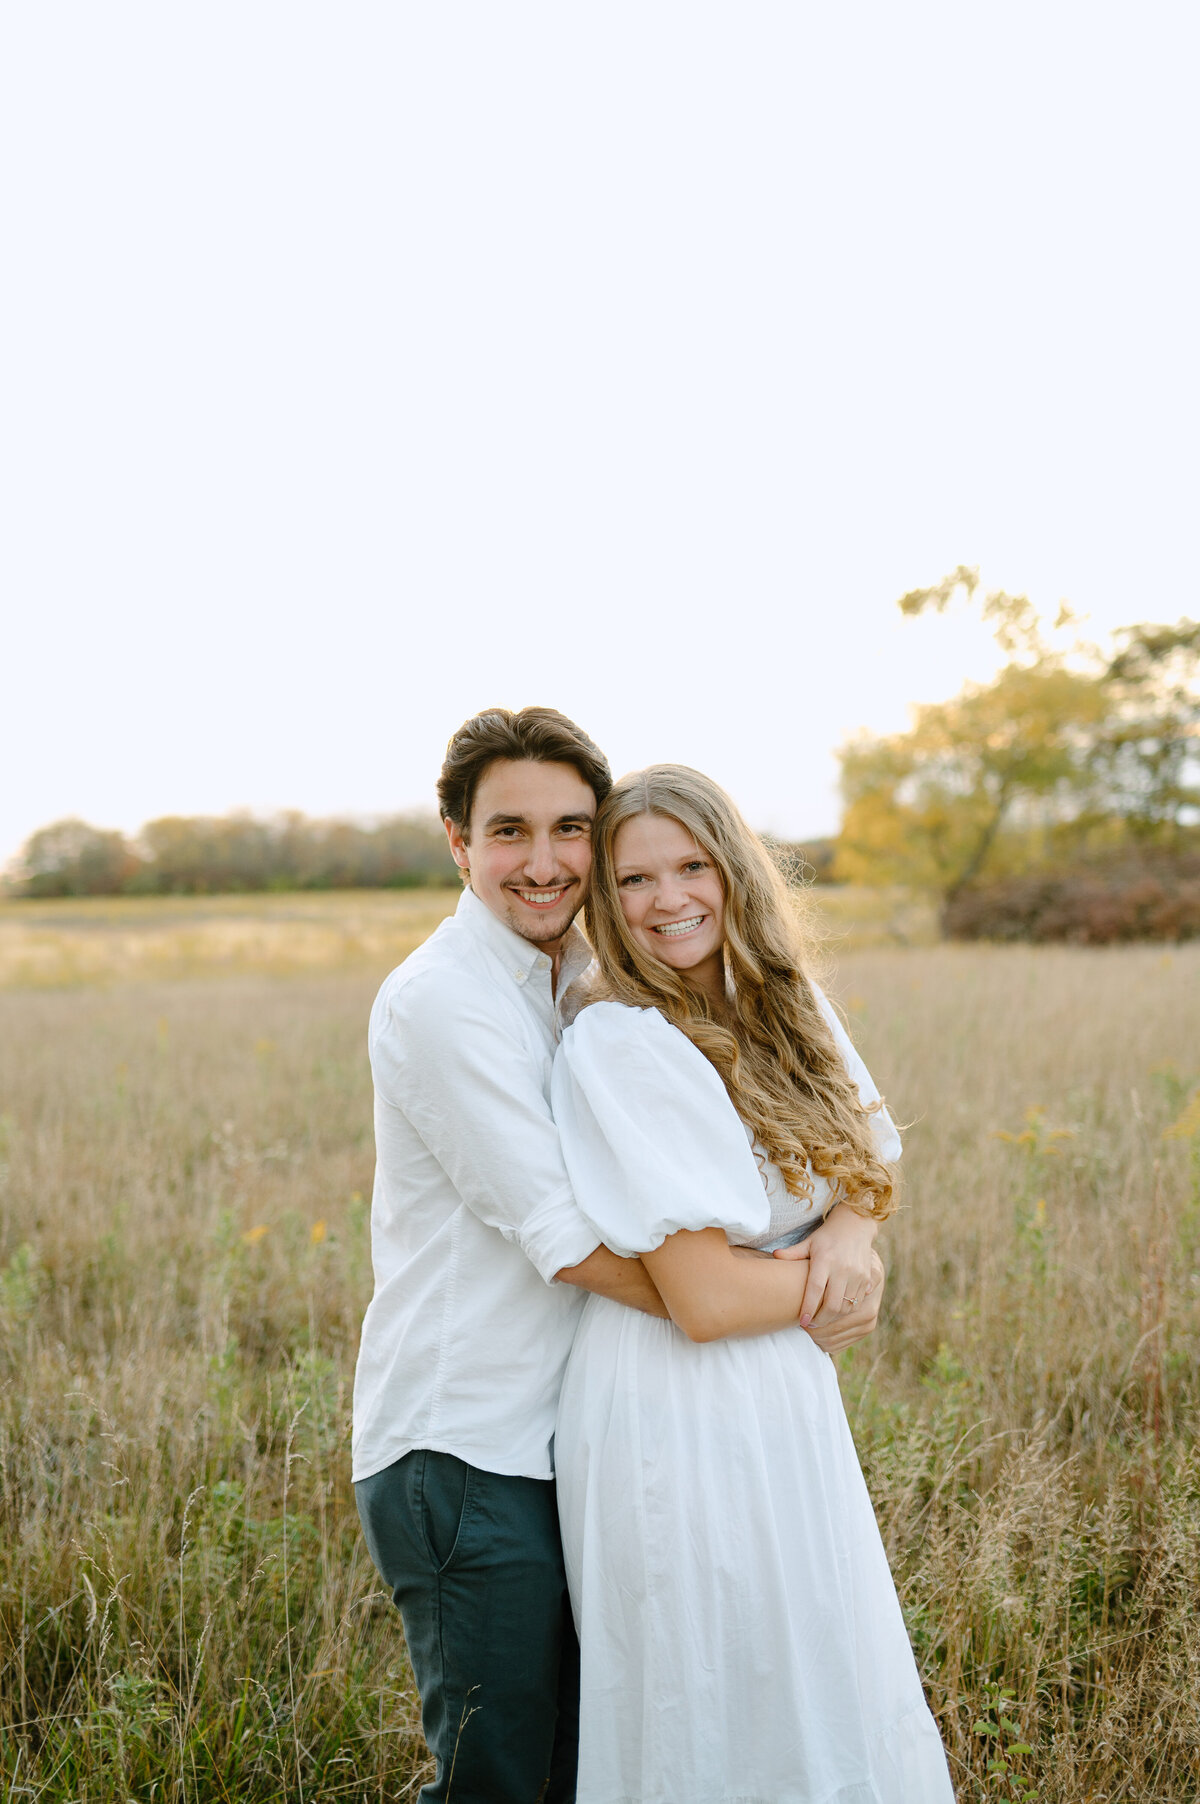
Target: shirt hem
(501, 1468)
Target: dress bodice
(791, 1216)
(653, 1146)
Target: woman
(741, 1638)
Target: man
(481, 1263)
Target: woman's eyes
(685, 870)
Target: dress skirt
(741, 1638)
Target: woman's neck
(709, 979)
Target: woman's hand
(841, 1273)
(853, 1324)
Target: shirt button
(520, 976)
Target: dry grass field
(186, 1611)
(98, 940)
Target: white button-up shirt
(466, 1338)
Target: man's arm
(624, 1280)
(448, 1059)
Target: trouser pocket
(444, 1503)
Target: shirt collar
(521, 958)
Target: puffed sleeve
(651, 1141)
(883, 1128)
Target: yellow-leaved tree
(1061, 741)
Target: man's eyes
(568, 830)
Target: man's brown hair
(541, 735)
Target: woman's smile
(676, 928)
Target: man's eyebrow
(522, 820)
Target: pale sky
(368, 364)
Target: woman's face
(671, 897)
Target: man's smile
(540, 898)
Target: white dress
(741, 1638)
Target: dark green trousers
(474, 1561)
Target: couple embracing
(600, 1454)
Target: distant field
(186, 1610)
(98, 940)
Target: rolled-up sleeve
(468, 1086)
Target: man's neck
(552, 948)
(555, 953)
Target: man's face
(529, 849)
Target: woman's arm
(711, 1293)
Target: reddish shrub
(1085, 907)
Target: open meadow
(186, 1608)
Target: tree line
(188, 855)
(1060, 800)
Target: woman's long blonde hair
(775, 1051)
